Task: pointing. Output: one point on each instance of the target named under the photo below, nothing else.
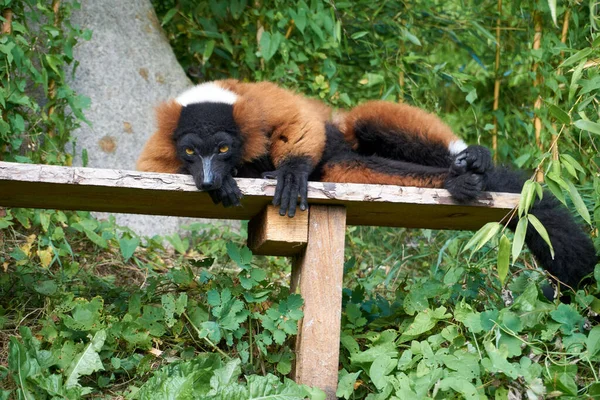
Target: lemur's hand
(475, 159)
(229, 193)
(292, 182)
(465, 180)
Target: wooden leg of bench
(319, 271)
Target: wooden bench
(315, 238)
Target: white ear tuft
(208, 92)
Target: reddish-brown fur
(413, 120)
(280, 123)
(159, 154)
(358, 173)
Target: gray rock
(126, 69)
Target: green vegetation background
(90, 310)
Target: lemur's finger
(304, 193)
(215, 195)
(293, 201)
(278, 192)
(285, 195)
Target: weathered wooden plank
(319, 270)
(42, 186)
(271, 234)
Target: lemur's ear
(159, 153)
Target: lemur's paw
(475, 159)
(228, 194)
(292, 182)
(464, 187)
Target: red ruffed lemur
(221, 129)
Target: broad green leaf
(539, 227)
(568, 317)
(592, 127)
(380, 369)
(519, 238)
(559, 114)
(460, 385)
(578, 203)
(346, 384)
(593, 341)
(128, 246)
(497, 362)
(503, 258)
(87, 362)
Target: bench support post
(318, 272)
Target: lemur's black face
(208, 142)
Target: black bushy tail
(574, 253)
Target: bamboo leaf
(580, 55)
(484, 32)
(592, 127)
(578, 203)
(527, 195)
(483, 236)
(568, 159)
(519, 238)
(539, 227)
(552, 5)
(562, 116)
(503, 258)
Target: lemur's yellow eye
(189, 151)
(224, 149)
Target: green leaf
(527, 197)
(592, 342)
(460, 385)
(86, 362)
(552, 6)
(519, 238)
(497, 362)
(592, 127)
(503, 258)
(483, 235)
(380, 369)
(412, 38)
(568, 317)
(539, 227)
(128, 246)
(346, 384)
(269, 44)
(484, 32)
(169, 15)
(183, 380)
(559, 114)
(580, 55)
(579, 204)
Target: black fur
(292, 182)
(374, 139)
(574, 253)
(204, 129)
